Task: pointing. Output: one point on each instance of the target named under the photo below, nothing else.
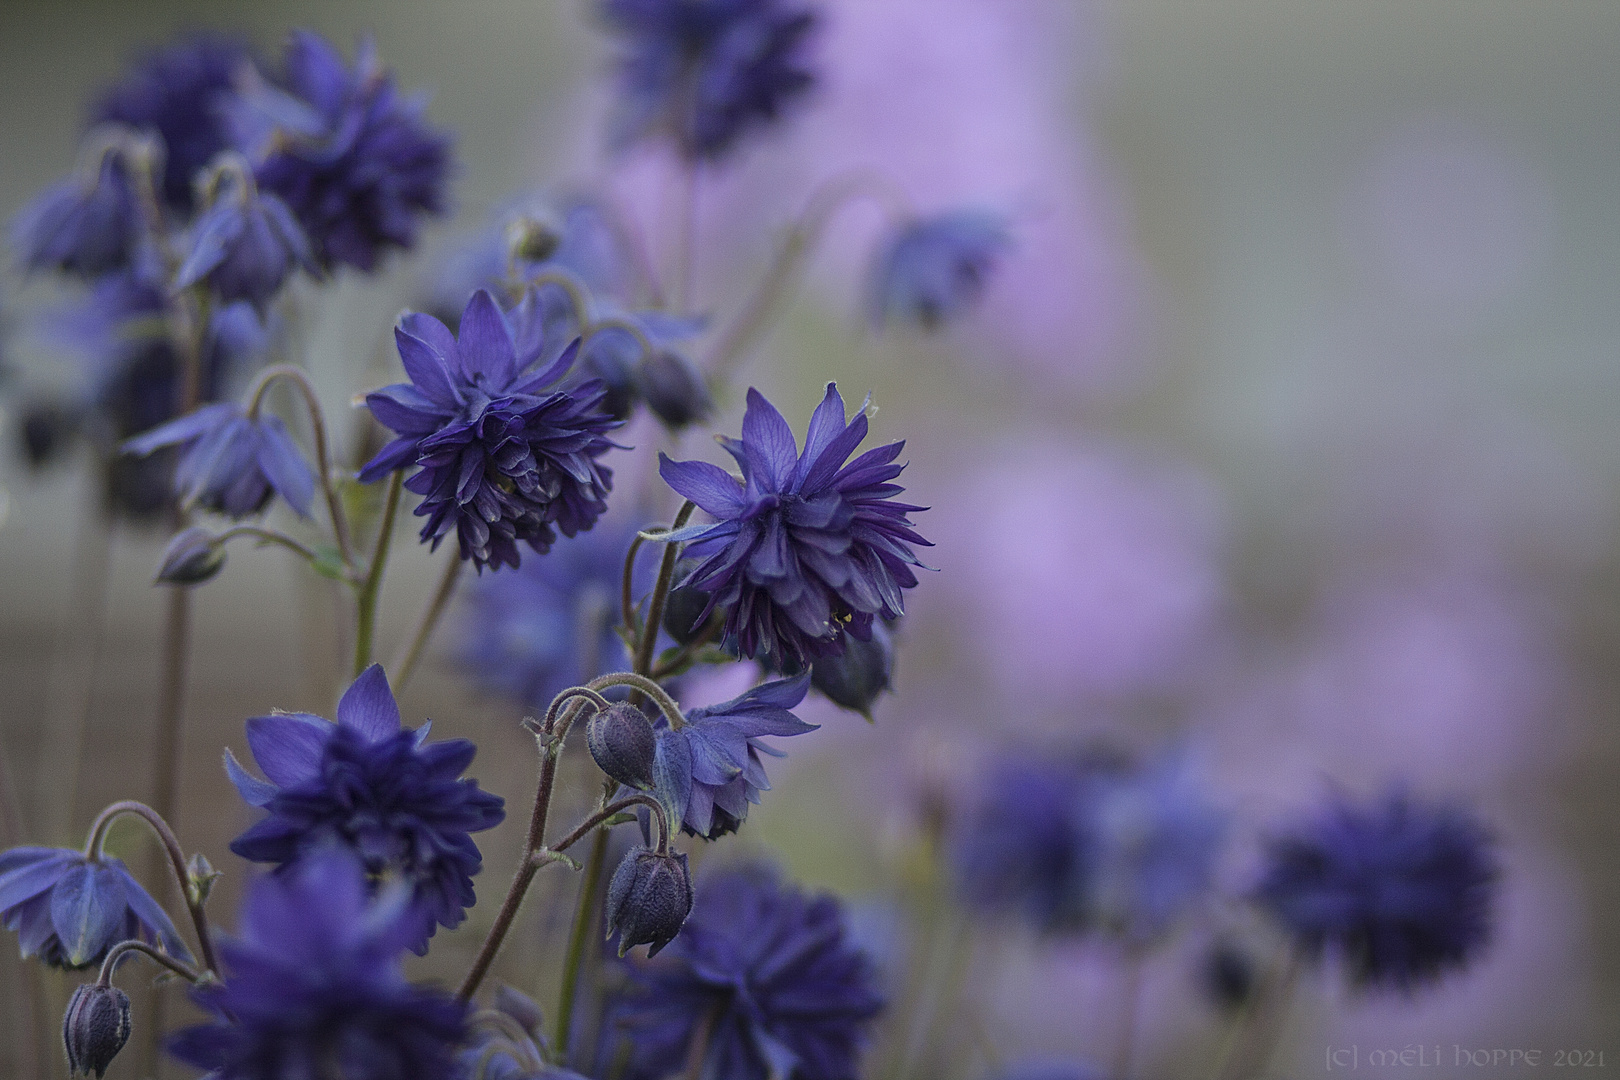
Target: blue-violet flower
(68, 909)
(1398, 891)
(934, 268)
(499, 458)
(313, 987)
(88, 224)
(773, 975)
(232, 463)
(370, 785)
(708, 71)
(708, 772)
(805, 548)
(246, 243)
(348, 153)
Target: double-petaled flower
(499, 457)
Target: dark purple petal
(714, 490)
(287, 746)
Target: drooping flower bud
(673, 388)
(649, 899)
(94, 1028)
(622, 742)
(855, 678)
(683, 609)
(193, 555)
(533, 239)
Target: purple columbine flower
(804, 548)
(68, 909)
(706, 72)
(245, 244)
(499, 458)
(179, 93)
(313, 986)
(708, 772)
(382, 791)
(349, 154)
(88, 224)
(934, 268)
(771, 972)
(1400, 892)
(230, 463)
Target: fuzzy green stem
(267, 536)
(366, 602)
(162, 959)
(660, 696)
(660, 595)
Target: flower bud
(622, 742)
(856, 677)
(532, 239)
(682, 611)
(673, 388)
(193, 555)
(648, 899)
(94, 1028)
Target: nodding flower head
(88, 224)
(804, 549)
(933, 269)
(1400, 892)
(69, 909)
(374, 788)
(707, 72)
(230, 463)
(499, 457)
(245, 244)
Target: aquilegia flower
(179, 93)
(246, 243)
(380, 790)
(934, 268)
(1397, 891)
(772, 973)
(313, 987)
(88, 224)
(1091, 845)
(348, 153)
(68, 909)
(708, 71)
(804, 548)
(500, 458)
(708, 772)
(232, 464)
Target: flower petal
(715, 491)
(287, 746)
(368, 706)
(485, 343)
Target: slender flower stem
(644, 342)
(405, 666)
(267, 536)
(572, 693)
(80, 644)
(366, 602)
(660, 595)
(802, 236)
(162, 959)
(177, 862)
(584, 919)
(618, 806)
(550, 744)
(323, 459)
(569, 284)
(627, 605)
(666, 704)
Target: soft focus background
(1284, 437)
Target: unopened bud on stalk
(94, 1028)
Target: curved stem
(569, 284)
(613, 322)
(366, 602)
(405, 667)
(268, 536)
(162, 959)
(617, 806)
(177, 862)
(655, 607)
(666, 704)
(317, 422)
(573, 693)
(627, 606)
(796, 247)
